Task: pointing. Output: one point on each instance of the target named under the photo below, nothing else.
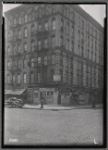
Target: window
(32, 62)
(61, 40)
(19, 20)
(68, 27)
(72, 44)
(14, 21)
(25, 78)
(19, 34)
(83, 24)
(25, 18)
(32, 45)
(46, 25)
(25, 32)
(8, 64)
(19, 79)
(53, 24)
(14, 50)
(62, 22)
(39, 44)
(19, 64)
(8, 50)
(72, 30)
(39, 77)
(8, 79)
(39, 60)
(19, 48)
(25, 63)
(46, 43)
(45, 60)
(79, 20)
(53, 41)
(51, 74)
(25, 46)
(13, 78)
(32, 29)
(32, 78)
(39, 27)
(53, 59)
(96, 33)
(68, 44)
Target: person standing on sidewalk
(42, 101)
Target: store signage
(57, 77)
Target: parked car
(14, 103)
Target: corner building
(55, 51)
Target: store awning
(14, 92)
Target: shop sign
(57, 77)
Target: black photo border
(2, 55)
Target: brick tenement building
(54, 50)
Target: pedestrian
(42, 102)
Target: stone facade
(47, 42)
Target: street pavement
(59, 107)
(34, 126)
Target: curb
(57, 109)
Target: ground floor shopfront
(64, 96)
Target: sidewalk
(59, 107)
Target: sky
(98, 11)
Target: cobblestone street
(31, 126)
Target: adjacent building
(55, 51)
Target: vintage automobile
(13, 102)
